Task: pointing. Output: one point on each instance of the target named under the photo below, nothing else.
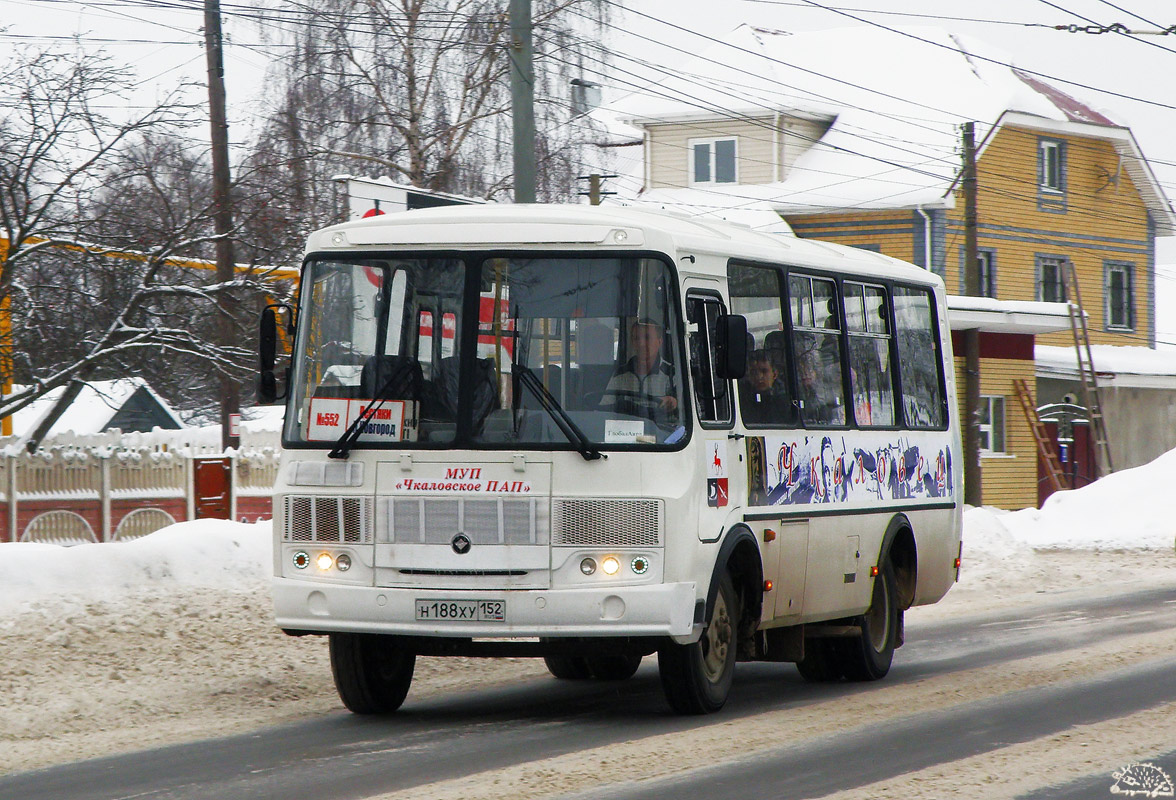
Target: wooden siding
(757, 151)
(1008, 481)
(894, 232)
(1104, 220)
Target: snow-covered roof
(1006, 316)
(1126, 367)
(91, 410)
(895, 100)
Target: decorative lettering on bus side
(469, 486)
(853, 467)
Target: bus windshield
(485, 350)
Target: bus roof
(581, 227)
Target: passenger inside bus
(820, 400)
(645, 386)
(763, 396)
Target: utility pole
(973, 493)
(594, 193)
(222, 205)
(522, 100)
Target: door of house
(214, 487)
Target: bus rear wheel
(868, 657)
(613, 668)
(697, 677)
(568, 668)
(821, 662)
(372, 674)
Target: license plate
(461, 610)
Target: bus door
(726, 488)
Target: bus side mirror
(731, 346)
(267, 381)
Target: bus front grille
(486, 521)
(327, 519)
(606, 523)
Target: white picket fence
(114, 486)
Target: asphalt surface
(340, 756)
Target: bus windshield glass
(485, 350)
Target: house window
(986, 264)
(1119, 291)
(1051, 279)
(992, 424)
(1051, 174)
(713, 161)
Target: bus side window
(712, 394)
(919, 358)
(816, 345)
(867, 321)
(765, 395)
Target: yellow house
(854, 136)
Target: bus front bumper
(666, 609)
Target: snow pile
(202, 554)
(1123, 511)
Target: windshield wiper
(565, 423)
(350, 436)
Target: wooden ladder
(1087, 377)
(1045, 446)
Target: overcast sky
(1127, 75)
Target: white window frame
(988, 431)
(1051, 151)
(691, 144)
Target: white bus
(527, 430)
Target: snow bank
(1128, 510)
(204, 553)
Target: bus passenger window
(817, 350)
(871, 382)
(765, 399)
(918, 358)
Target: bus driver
(645, 386)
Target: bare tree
(418, 90)
(102, 217)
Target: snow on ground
(106, 648)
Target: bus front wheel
(372, 674)
(697, 677)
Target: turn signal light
(873, 572)
(768, 586)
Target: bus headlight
(588, 566)
(611, 565)
(324, 561)
(343, 562)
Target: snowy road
(961, 689)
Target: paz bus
(594, 434)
